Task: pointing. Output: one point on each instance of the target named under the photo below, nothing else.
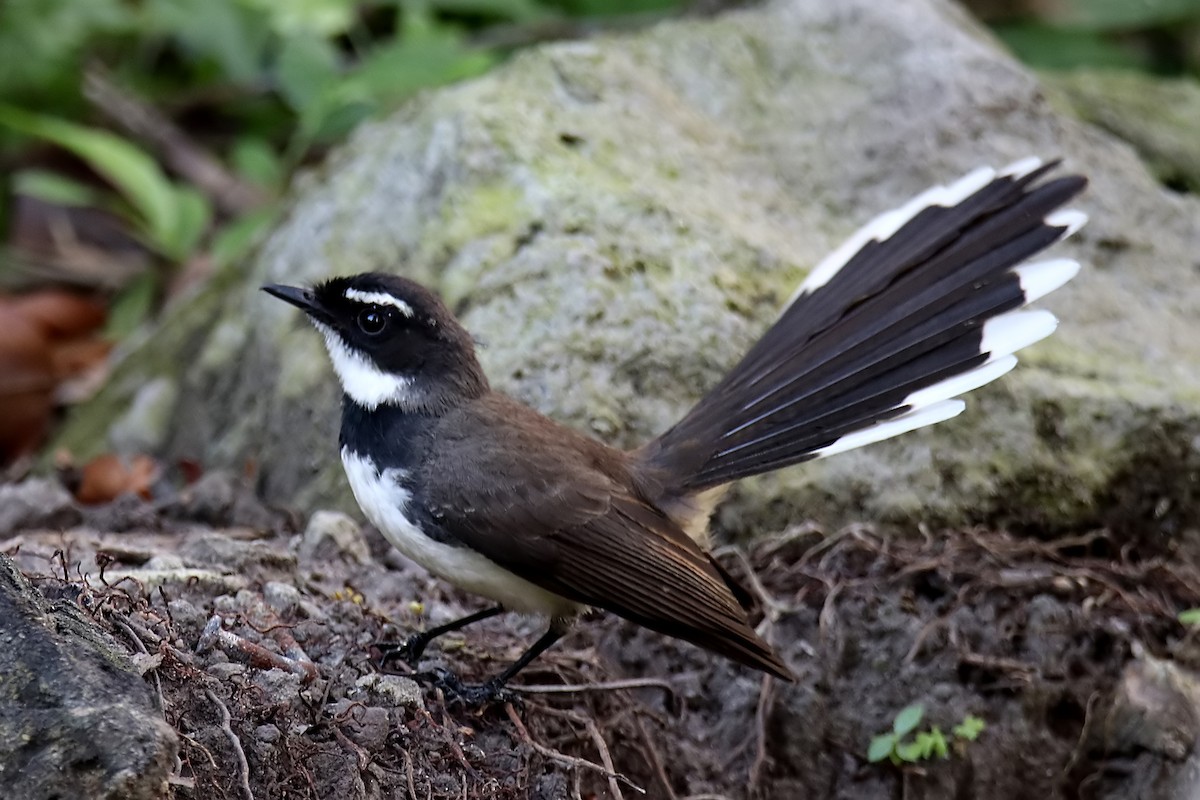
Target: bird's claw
(409, 651)
(465, 693)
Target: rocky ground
(254, 632)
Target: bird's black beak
(302, 299)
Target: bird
(921, 305)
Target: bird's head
(391, 340)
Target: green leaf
(510, 10)
(53, 188)
(235, 241)
(42, 43)
(256, 161)
(937, 743)
(969, 729)
(192, 215)
(135, 175)
(132, 306)
(1122, 15)
(1190, 617)
(323, 18)
(428, 55)
(307, 67)
(924, 744)
(435, 56)
(1046, 47)
(226, 31)
(908, 719)
(909, 751)
(881, 747)
(331, 117)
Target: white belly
(385, 502)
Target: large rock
(76, 719)
(618, 219)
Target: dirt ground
(1069, 650)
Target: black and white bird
(918, 307)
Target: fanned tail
(915, 309)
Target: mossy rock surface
(618, 219)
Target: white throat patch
(379, 299)
(365, 383)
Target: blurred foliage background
(145, 144)
(175, 124)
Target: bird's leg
(412, 648)
(493, 688)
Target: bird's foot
(468, 694)
(409, 651)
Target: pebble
(392, 690)
(36, 503)
(332, 534)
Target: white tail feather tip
(1009, 332)
(989, 371)
(917, 418)
(1019, 169)
(1043, 277)
(1069, 218)
(882, 227)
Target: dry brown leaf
(75, 357)
(26, 385)
(59, 314)
(107, 477)
(46, 337)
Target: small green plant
(1190, 617)
(905, 744)
(969, 729)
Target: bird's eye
(372, 321)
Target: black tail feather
(883, 333)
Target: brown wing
(550, 505)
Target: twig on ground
(239, 753)
(1018, 669)
(935, 623)
(1077, 751)
(61, 555)
(162, 593)
(444, 729)
(827, 619)
(774, 608)
(825, 544)
(653, 757)
(408, 775)
(142, 629)
(137, 642)
(128, 631)
(190, 740)
(362, 758)
(613, 777)
(765, 693)
(255, 654)
(606, 760)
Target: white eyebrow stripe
(380, 299)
